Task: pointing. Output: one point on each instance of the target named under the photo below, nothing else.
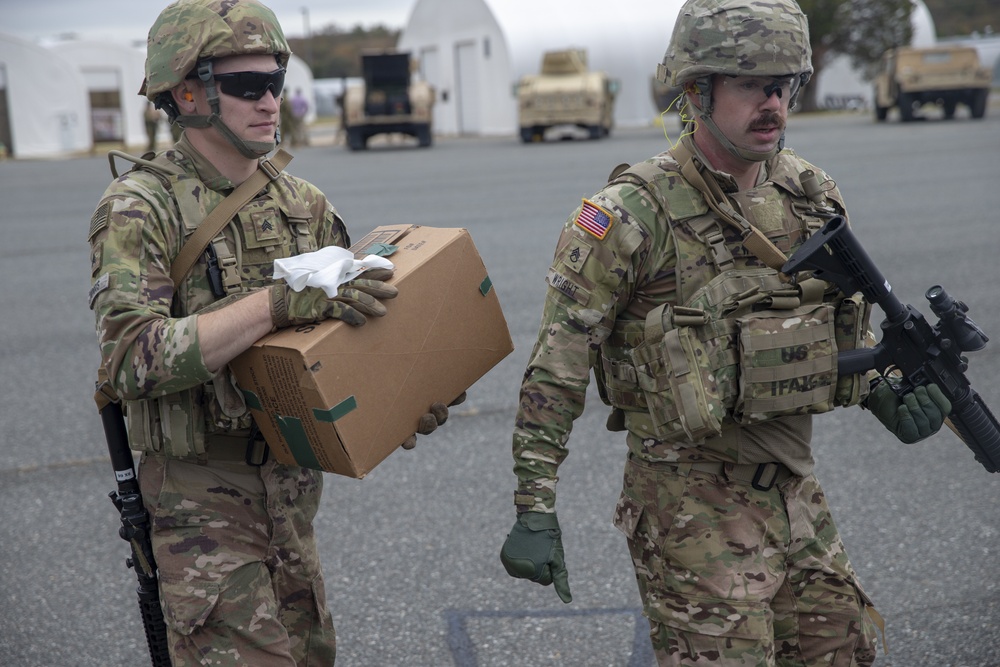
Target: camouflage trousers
(731, 575)
(239, 574)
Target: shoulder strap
(268, 170)
(752, 238)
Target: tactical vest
(274, 225)
(745, 345)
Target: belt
(762, 476)
(235, 448)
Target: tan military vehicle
(388, 101)
(566, 92)
(945, 75)
(665, 96)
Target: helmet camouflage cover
(188, 31)
(737, 37)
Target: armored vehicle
(566, 92)
(388, 101)
(665, 96)
(946, 75)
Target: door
(107, 120)
(467, 87)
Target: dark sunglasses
(251, 85)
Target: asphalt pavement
(410, 552)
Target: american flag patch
(594, 219)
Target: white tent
(113, 74)
(44, 108)
(474, 51)
(300, 76)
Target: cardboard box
(340, 398)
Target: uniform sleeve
(329, 228)
(588, 283)
(146, 351)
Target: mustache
(767, 119)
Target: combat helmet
(768, 38)
(189, 35)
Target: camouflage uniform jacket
(653, 251)
(147, 326)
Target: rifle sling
(104, 394)
(268, 170)
(752, 238)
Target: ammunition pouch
(788, 363)
(763, 350)
(676, 379)
(172, 425)
(184, 424)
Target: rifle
(135, 528)
(924, 354)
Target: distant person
(240, 580)
(151, 117)
(286, 120)
(665, 285)
(299, 109)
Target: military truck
(387, 101)
(665, 96)
(945, 75)
(565, 92)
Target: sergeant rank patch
(594, 219)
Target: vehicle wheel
(978, 106)
(949, 109)
(424, 137)
(906, 107)
(881, 113)
(534, 134)
(356, 141)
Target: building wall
(461, 50)
(104, 65)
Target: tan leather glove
(355, 299)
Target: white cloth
(327, 268)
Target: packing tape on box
(295, 434)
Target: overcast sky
(129, 20)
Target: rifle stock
(924, 354)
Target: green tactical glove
(534, 551)
(430, 421)
(913, 417)
(355, 299)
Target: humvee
(565, 92)
(387, 101)
(946, 75)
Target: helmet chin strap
(703, 87)
(746, 154)
(248, 149)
